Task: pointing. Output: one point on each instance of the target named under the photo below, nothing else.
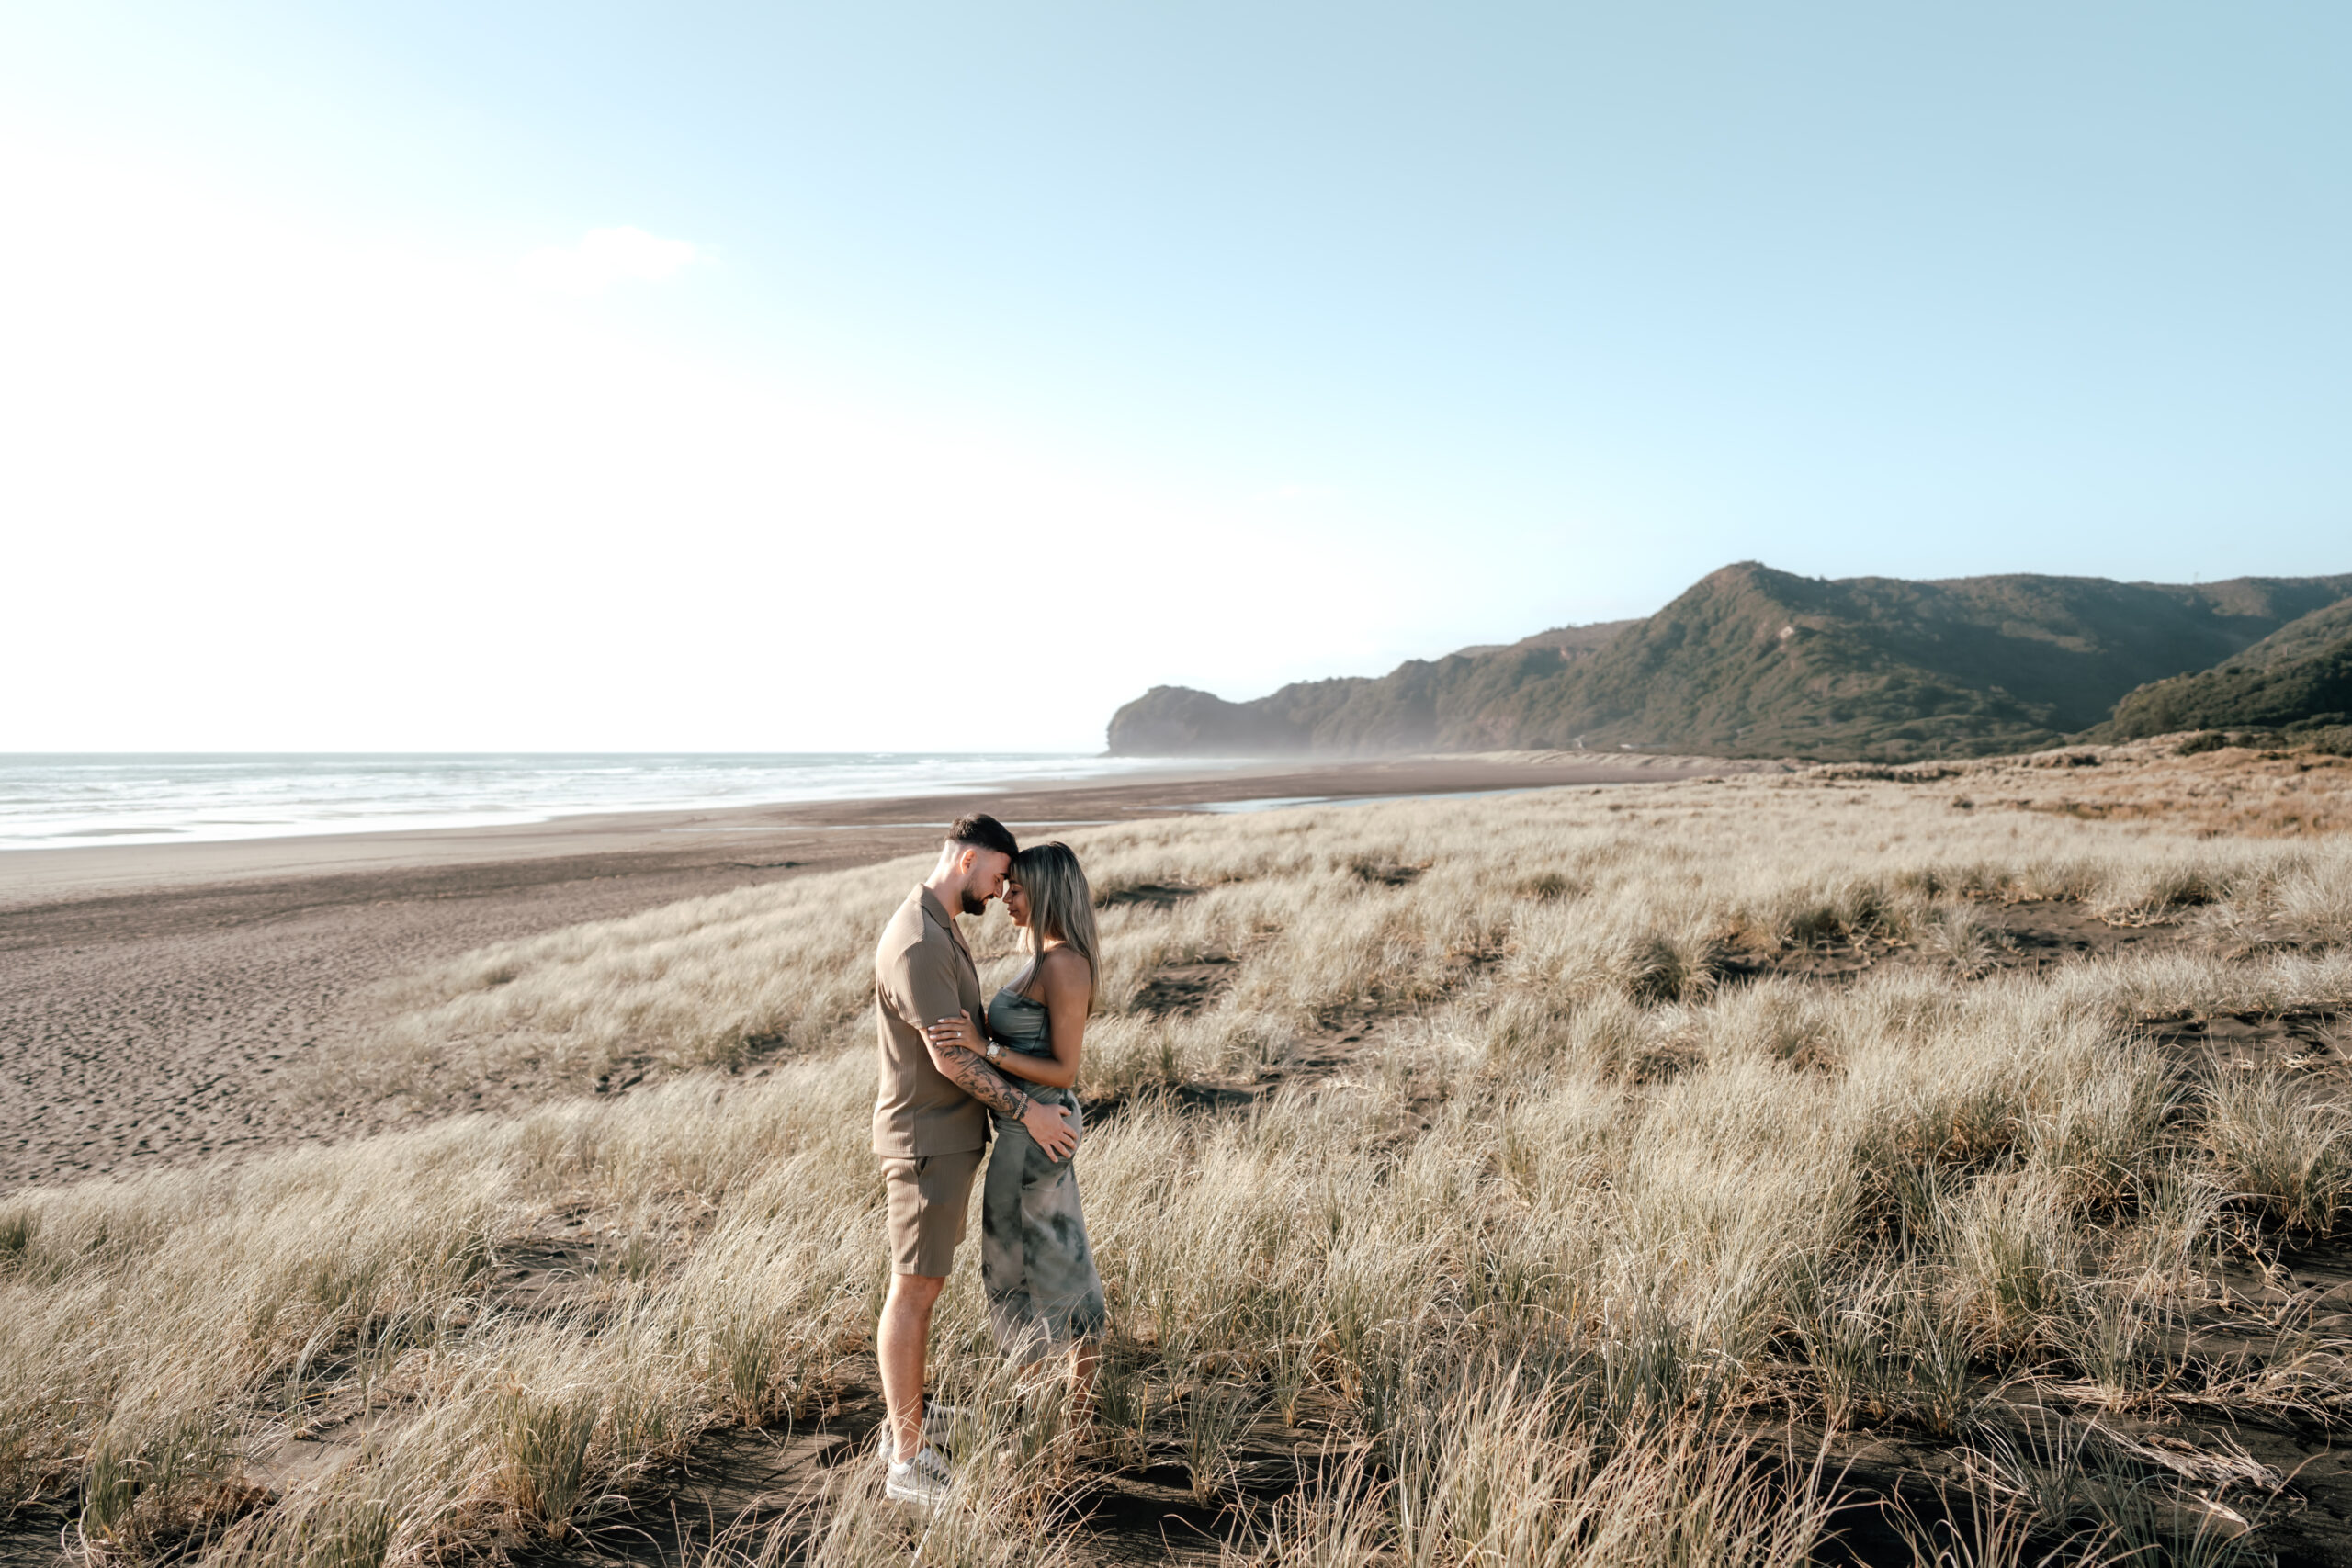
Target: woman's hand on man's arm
(952, 1052)
(960, 1030)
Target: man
(930, 1122)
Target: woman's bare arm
(1068, 985)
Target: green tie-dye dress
(1044, 1293)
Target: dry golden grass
(2246, 792)
(1538, 1262)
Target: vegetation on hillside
(1590, 637)
(2300, 639)
(1604, 1177)
(1751, 661)
(2296, 681)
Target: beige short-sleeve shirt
(922, 972)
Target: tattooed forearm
(977, 1079)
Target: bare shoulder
(1064, 967)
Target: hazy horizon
(807, 379)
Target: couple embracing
(953, 1068)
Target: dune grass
(1591, 1233)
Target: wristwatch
(995, 1051)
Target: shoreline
(38, 876)
(63, 801)
(161, 1004)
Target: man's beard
(974, 904)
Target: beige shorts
(928, 1196)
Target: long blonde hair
(1060, 906)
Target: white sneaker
(938, 1424)
(922, 1481)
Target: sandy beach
(153, 998)
(1725, 1016)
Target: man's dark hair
(982, 832)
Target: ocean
(61, 800)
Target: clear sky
(486, 375)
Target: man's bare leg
(901, 1345)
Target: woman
(1044, 1297)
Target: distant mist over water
(59, 800)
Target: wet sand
(153, 998)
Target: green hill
(2314, 633)
(1750, 661)
(2299, 676)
